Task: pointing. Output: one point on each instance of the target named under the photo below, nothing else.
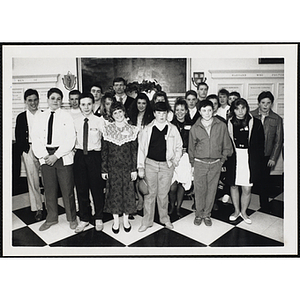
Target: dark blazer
(191, 121)
(255, 152)
(22, 133)
(128, 102)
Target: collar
(261, 114)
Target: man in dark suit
(193, 114)
(119, 86)
(23, 143)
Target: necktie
(85, 136)
(50, 128)
(121, 99)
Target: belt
(207, 162)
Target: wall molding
(35, 78)
(217, 74)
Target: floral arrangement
(144, 86)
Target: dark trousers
(87, 175)
(264, 184)
(61, 175)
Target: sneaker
(81, 226)
(207, 221)
(198, 221)
(99, 225)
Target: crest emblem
(69, 81)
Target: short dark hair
(265, 94)
(180, 101)
(213, 96)
(86, 95)
(236, 94)
(55, 90)
(160, 106)
(205, 103)
(30, 92)
(74, 92)
(119, 79)
(96, 84)
(190, 92)
(224, 92)
(117, 105)
(202, 83)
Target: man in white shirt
(23, 131)
(193, 113)
(53, 139)
(119, 86)
(87, 163)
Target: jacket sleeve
(19, 135)
(178, 146)
(142, 151)
(278, 141)
(192, 145)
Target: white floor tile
(20, 201)
(56, 232)
(254, 203)
(202, 233)
(16, 222)
(280, 197)
(275, 231)
(133, 235)
(187, 204)
(260, 222)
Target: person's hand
(104, 176)
(271, 163)
(133, 175)
(141, 173)
(50, 160)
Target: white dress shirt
(30, 120)
(96, 125)
(63, 135)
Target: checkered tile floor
(266, 229)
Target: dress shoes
(38, 215)
(128, 228)
(47, 225)
(81, 226)
(246, 219)
(115, 231)
(207, 221)
(169, 225)
(99, 225)
(73, 224)
(198, 221)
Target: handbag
(143, 186)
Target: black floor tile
(276, 208)
(26, 237)
(166, 238)
(27, 216)
(88, 238)
(238, 237)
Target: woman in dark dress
(119, 166)
(182, 178)
(244, 166)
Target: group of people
(107, 144)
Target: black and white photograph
(138, 150)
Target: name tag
(187, 127)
